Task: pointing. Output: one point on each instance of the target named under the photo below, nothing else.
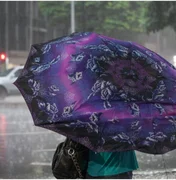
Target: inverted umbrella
(107, 94)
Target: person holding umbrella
(112, 96)
(111, 165)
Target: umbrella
(107, 94)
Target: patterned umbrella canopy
(107, 94)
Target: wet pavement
(26, 150)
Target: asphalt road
(26, 151)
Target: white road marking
(18, 123)
(44, 150)
(26, 133)
(154, 171)
(40, 164)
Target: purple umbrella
(106, 94)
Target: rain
(26, 151)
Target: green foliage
(55, 11)
(160, 14)
(125, 15)
(108, 17)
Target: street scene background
(26, 151)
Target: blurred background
(25, 150)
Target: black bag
(70, 160)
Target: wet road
(26, 151)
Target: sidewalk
(154, 175)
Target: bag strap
(71, 152)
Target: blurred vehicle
(6, 81)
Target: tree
(160, 14)
(123, 18)
(57, 13)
